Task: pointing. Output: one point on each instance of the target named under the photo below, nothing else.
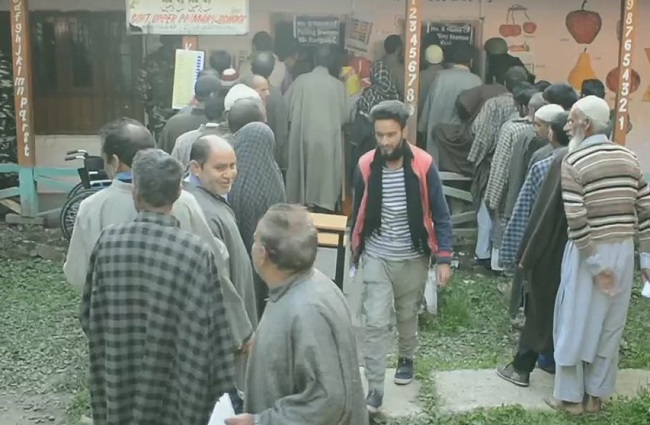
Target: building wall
(552, 49)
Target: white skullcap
(434, 55)
(548, 113)
(595, 108)
(238, 92)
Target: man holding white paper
(303, 368)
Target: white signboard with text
(189, 17)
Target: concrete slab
(462, 391)
(400, 401)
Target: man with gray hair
(605, 196)
(245, 111)
(158, 337)
(303, 367)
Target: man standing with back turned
(158, 338)
(400, 220)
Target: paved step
(461, 391)
(400, 401)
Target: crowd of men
(196, 264)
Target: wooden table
(331, 234)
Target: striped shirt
(392, 241)
(605, 195)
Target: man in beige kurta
(317, 111)
(114, 205)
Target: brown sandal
(574, 409)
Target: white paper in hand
(222, 410)
(646, 289)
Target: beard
(395, 154)
(577, 140)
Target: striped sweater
(605, 195)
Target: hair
(157, 177)
(561, 94)
(245, 111)
(287, 48)
(214, 107)
(536, 101)
(593, 87)
(557, 125)
(462, 53)
(392, 44)
(542, 85)
(390, 110)
(262, 42)
(515, 76)
(522, 93)
(323, 56)
(220, 60)
(262, 64)
(205, 86)
(289, 237)
(124, 138)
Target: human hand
(605, 280)
(247, 345)
(245, 419)
(443, 272)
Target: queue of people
(196, 265)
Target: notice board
(451, 32)
(316, 30)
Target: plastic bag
(431, 291)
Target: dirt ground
(20, 242)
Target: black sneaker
(510, 374)
(404, 372)
(374, 401)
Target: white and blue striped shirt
(392, 241)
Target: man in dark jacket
(400, 220)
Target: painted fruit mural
(583, 70)
(513, 29)
(584, 25)
(613, 77)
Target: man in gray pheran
(303, 367)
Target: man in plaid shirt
(158, 338)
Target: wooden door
(85, 72)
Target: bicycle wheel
(69, 211)
(76, 189)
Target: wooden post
(190, 42)
(413, 24)
(626, 52)
(22, 69)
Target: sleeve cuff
(444, 257)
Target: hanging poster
(189, 17)
(316, 30)
(357, 35)
(188, 66)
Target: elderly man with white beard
(604, 193)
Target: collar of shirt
(125, 176)
(276, 293)
(596, 139)
(157, 218)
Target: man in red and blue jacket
(400, 220)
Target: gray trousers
(597, 379)
(387, 284)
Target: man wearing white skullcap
(543, 118)
(439, 103)
(433, 57)
(605, 196)
(237, 92)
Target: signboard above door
(451, 32)
(315, 30)
(189, 17)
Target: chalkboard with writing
(449, 33)
(314, 30)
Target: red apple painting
(511, 28)
(584, 25)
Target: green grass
(42, 349)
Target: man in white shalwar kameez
(604, 194)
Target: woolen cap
(434, 55)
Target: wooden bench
(331, 234)
(463, 218)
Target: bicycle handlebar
(77, 151)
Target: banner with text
(189, 17)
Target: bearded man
(400, 219)
(605, 195)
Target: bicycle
(93, 179)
